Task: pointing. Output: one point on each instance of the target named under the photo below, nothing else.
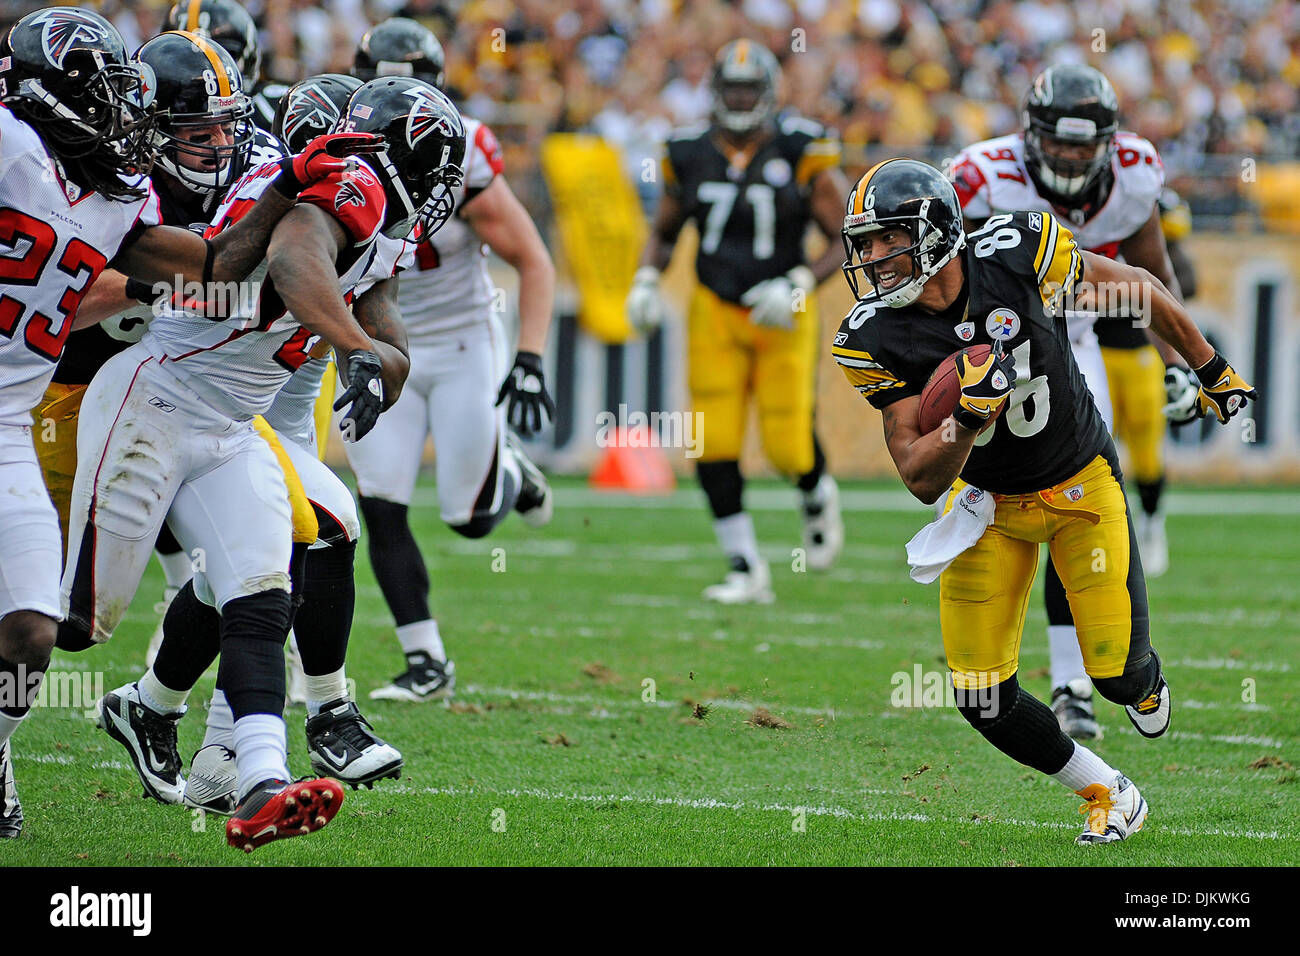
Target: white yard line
(712, 803)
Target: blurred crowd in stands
(1209, 81)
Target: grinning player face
(881, 251)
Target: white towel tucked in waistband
(937, 545)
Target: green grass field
(555, 753)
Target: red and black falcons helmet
(400, 47)
(199, 88)
(910, 195)
(311, 108)
(422, 162)
(226, 24)
(1072, 104)
(64, 71)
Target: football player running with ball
(752, 183)
(1072, 161)
(1044, 472)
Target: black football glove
(525, 387)
(1223, 391)
(365, 390)
(984, 387)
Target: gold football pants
(985, 591)
(730, 358)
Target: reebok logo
(76, 909)
(158, 403)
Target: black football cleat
(424, 679)
(344, 745)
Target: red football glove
(323, 157)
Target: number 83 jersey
(751, 212)
(1019, 270)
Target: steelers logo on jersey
(777, 172)
(1002, 324)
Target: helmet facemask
(425, 200)
(1067, 178)
(742, 106)
(221, 165)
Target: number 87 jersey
(1019, 270)
(55, 240)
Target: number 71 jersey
(54, 242)
(1020, 268)
(751, 215)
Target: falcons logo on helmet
(425, 117)
(63, 28)
(311, 109)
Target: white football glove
(772, 301)
(645, 306)
(1181, 390)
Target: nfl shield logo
(965, 331)
(1075, 493)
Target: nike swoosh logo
(424, 688)
(336, 759)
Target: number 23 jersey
(1019, 268)
(54, 243)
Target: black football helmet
(64, 71)
(226, 24)
(312, 108)
(199, 87)
(916, 197)
(1072, 104)
(422, 162)
(745, 78)
(400, 47)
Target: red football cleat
(276, 810)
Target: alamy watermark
(74, 690)
(651, 430)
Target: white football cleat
(1153, 545)
(212, 780)
(823, 526)
(536, 501)
(1114, 813)
(1151, 716)
(743, 585)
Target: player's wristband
(1212, 371)
(140, 291)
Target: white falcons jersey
(445, 284)
(990, 177)
(54, 242)
(238, 364)
(293, 413)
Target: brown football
(939, 397)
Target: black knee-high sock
(253, 632)
(324, 621)
(724, 486)
(1018, 724)
(191, 640)
(396, 560)
(1149, 492)
(22, 682)
(807, 482)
